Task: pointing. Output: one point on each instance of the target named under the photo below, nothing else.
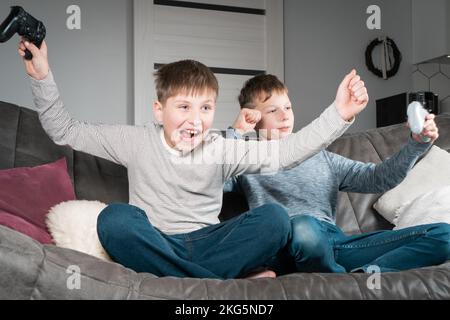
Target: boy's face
(186, 119)
(277, 118)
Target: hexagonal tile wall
(434, 77)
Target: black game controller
(19, 21)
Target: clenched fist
(247, 120)
(38, 67)
(351, 97)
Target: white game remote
(416, 118)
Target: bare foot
(262, 274)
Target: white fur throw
(73, 225)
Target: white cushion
(432, 172)
(73, 225)
(431, 207)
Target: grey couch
(29, 270)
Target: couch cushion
(23, 226)
(8, 131)
(32, 271)
(99, 179)
(24, 143)
(431, 207)
(31, 192)
(33, 146)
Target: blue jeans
(318, 246)
(222, 251)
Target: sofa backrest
(24, 143)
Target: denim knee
(274, 220)
(441, 232)
(114, 219)
(307, 236)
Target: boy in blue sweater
(309, 192)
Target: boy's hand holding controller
(247, 120)
(421, 123)
(351, 97)
(38, 67)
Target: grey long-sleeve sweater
(311, 188)
(179, 192)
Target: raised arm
(355, 176)
(112, 142)
(270, 156)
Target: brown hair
(189, 76)
(260, 87)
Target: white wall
(93, 66)
(325, 39)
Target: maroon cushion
(25, 227)
(27, 194)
